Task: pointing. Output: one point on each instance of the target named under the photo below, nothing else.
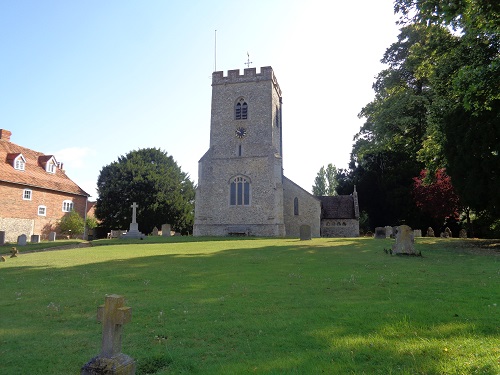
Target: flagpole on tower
(215, 52)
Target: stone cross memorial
(134, 227)
(113, 315)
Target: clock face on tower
(241, 132)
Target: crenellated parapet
(249, 75)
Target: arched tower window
(241, 110)
(239, 194)
(296, 206)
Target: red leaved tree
(438, 197)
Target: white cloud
(74, 157)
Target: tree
(326, 182)
(72, 224)
(437, 198)
(153, 179)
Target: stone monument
(305, 232)
(430, 232)
(21, 240)
(462, 233)
(165, 230)
(380, 232)
(404, 241)
(52, 236)
(35, 238)
(134, 227)
(113, 315)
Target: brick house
(35, 192)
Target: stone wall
(339, 228)
(15, 227)
(309, 209)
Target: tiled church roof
(337, 207)
(34, 174)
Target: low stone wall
(339, 228)
(15, 227)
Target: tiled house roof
(337, 207)
(34, 174)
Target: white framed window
(27, 194)
(42, 211)
(51, 168)
(67, 206)
(20, 163)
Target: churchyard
(265, 306)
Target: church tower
(240, 177)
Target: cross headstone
(113, 315)
(134, 227)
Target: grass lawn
(264, 306)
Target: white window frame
(27, 194)
(44, 210)
(67, 206)
(51, 168)
(20, 163)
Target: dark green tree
(153, 179)
(325, 183)
(319, 187)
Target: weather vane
(248, 61)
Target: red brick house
(35, 192)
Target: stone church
(241, 187)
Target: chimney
(5, 134)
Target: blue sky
(89, 81)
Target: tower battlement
(249, 75)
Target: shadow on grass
(301, 307)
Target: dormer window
(49, 163)
(241, 110)
(20, 163)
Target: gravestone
(446, 233)
(165, 230)
(21, 240)
(388, 231)
(2, 259)
(404, 241)
(462, 233)
(394, 232)
(379, 232)
(430, 232)
(113, 315)
(305, 232)
(35, 238)
(2, 237)
(417, 233)
(52, 236)
(134, 227)
(155, 231)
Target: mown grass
(266, 306)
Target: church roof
(34, 174)
(337, 207)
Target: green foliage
(91, 222)
(265, 306)
(151, 178)
(326, 181)
(72, 223)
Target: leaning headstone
(430, 232)
(165, 230)
(417, 233)
(379, 232)
(14, 252)
(404, 241)
(21, 240)
(2, 259)
(305, 232)
(113, 315)
(462, 233)
(388, 231)
(2, 237)
(35, 238)
(155, 231)
(52, 236)
(134, 227)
